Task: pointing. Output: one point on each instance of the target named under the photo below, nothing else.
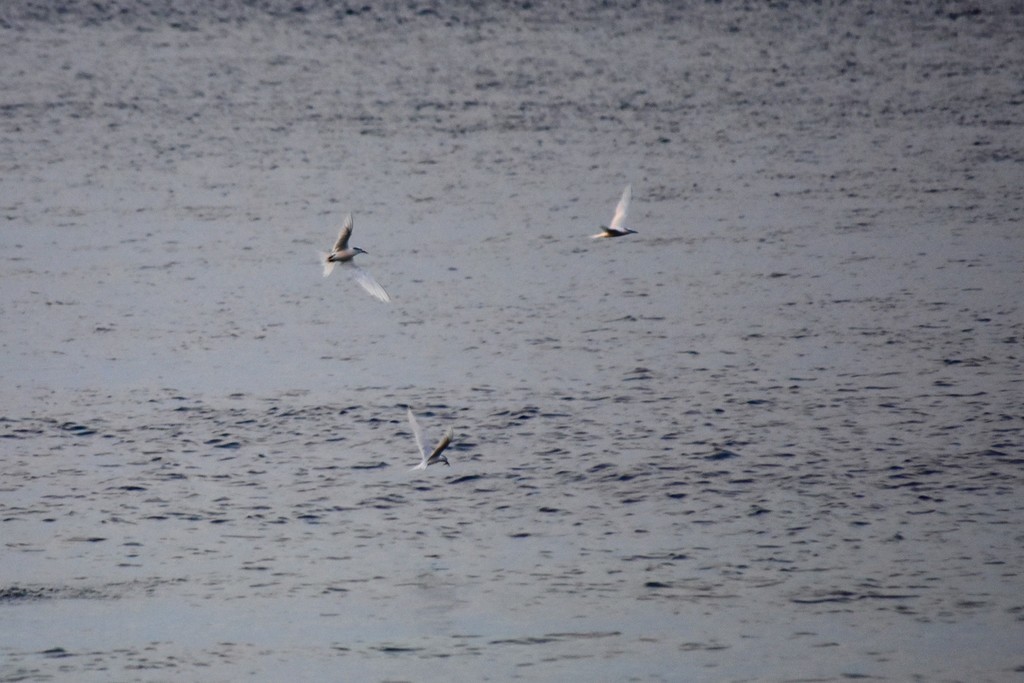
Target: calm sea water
(774, 436)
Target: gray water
(776, 435)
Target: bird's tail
(328, 265)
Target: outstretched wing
(622, 209)
(442, 444)
(367, 282)
(346, 232)
(416, 433)
(328, 265)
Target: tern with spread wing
(615, 228)
(343, 254)
(435, 456)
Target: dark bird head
(443, 459)
(359, 251)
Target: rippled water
(777, 435)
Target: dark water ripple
(256, 472)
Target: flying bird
(435, 456)
(615, 228)
(344, 254)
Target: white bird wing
(622, 208)
(346, 232)
(417, 435)
(443, 443)
(328, 265)
(367, 282)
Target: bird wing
(346, 232)
(416, 434)
(367, 282)
(328, 265)
(442, 444)
(621, 209)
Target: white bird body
(342, 254)
(616, 227)
(435, 455)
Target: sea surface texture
(776, 435)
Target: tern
(435, 456)
(343, 254)
(615, 229)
